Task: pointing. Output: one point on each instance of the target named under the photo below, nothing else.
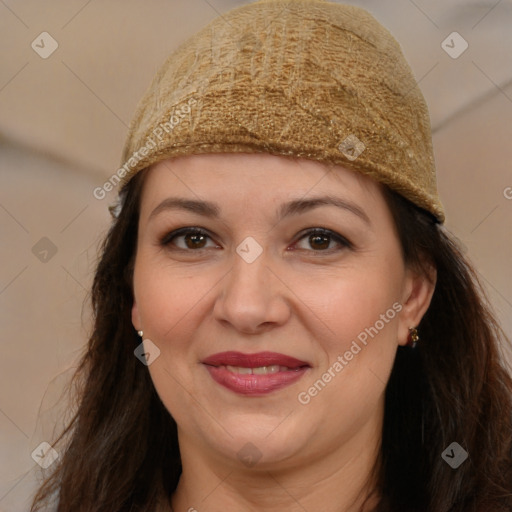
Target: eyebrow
(294, 207)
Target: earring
(413, 337)
(140, 333)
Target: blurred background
(72, 73)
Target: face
(277, 295)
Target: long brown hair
(121, 450)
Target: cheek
(171, 303)
(354, 304)
(356, 333)
(356, 317)
(168, 299)
(168, 302)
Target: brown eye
(195, 240)
(187, 239)
(320, 240)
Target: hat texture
(302, 78)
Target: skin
(305, 297)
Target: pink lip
(255, 385)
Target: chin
(266, 445)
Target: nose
(251, 297)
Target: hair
(121, 448)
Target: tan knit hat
(302, 78)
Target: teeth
(236, 369)
(262, 370)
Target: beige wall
(63, 121)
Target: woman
(281, 322)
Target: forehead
(261, 175)
(259, 188)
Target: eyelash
(342, 241)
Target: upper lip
(253, 360)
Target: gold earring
(413, 337)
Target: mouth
(260, 370)
(254, 374)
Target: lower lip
(256, 385)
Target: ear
(137, 324)
(416, 297)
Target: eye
(320, 239)
(194, 238)
(191, 238)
